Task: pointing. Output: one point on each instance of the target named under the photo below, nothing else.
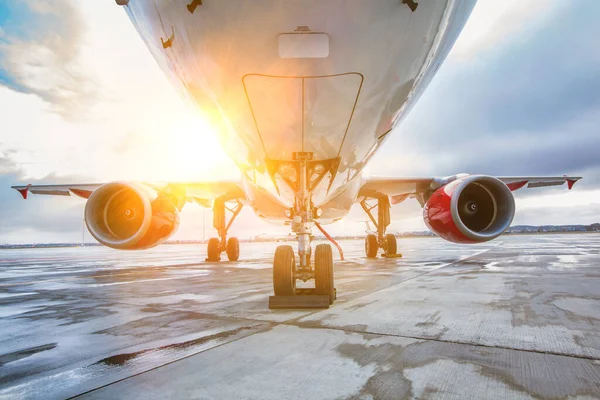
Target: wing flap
(51, 192)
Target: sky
(82, 100)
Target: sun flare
(191, 151)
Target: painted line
(134, 269)
(147, 280)
(9, 295)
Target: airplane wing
(399, 189)
(81, 190)
(201, 192)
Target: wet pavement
(515, 318)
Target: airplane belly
(325, 78)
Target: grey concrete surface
(515, 318)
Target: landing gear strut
(381, 240)
(287, 269)
(230, 246)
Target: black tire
(324, 271)
(214, 249)
(233, 249)
(391, 244)
(371, 246)
(284, 263)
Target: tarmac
(517, 318)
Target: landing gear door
(314, 113)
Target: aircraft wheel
(391, 244)
(214, 249)
(324, 271)
(371, 246)
(233, 249)
(284, 262)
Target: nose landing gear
(286, 272)
(317, 266)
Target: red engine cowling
(471, 209)
(130, 216)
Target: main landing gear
(230, 246)
(381, 240)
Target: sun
(191, 151)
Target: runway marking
(94, 285)
(167, 307)
(7, 295)
(135, 268)
(147, 280)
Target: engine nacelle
(130, 216)
(471, 209)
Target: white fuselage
(327, 78)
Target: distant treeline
(553, 228)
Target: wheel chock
(299, 301)
(398, 255)
(304, 298)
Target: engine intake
(471, 209)
(129, 216)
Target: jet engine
(471, 209)
(129, 216)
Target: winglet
(24, 192)
(570, 183)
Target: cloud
(495, 23)
(49, 219)
(39, 48)
(128, 142)
(530, 107)
(7, 165)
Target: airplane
(302, 94)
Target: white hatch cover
(303, 45)
(302, 113)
